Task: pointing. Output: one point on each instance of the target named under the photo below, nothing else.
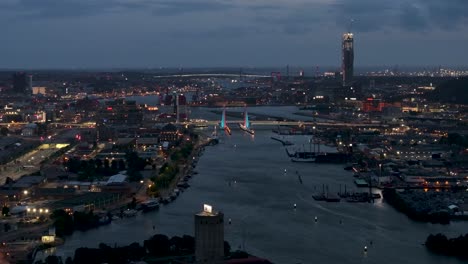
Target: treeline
(66, 223)
(183, 153)
(158, 246)
(166, 175)
(418, 214)
(455, 139)
(89, 170)
(440, 244)
(451, 91)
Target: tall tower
(348, 58)
(209, 236)
(30, 84)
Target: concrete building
(209, 236)
(348, 58)
(20, 83)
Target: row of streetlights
(40, 210)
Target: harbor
(247, 195)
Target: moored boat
(150, 205)
(130, 213)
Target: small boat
(166, 200)
(183, 185)
(332, 198)
(150, 205)
(130, 213)
(318, 196)
(105, 220)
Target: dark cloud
(52, 9)
(296, 20)
(171, 8)
(406, 15)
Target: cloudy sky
(200, 33)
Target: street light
(25, 192)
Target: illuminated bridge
(292, 123)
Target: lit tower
(176, 105)
(348, 58)
(209, 236)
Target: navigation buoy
(229, 220)
(284, 170)
(316, 219)
(365, 248)
(295, 206)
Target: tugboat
(150, 205)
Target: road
(26, 164)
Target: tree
(135, 162)
(106, 164)
(121, 165)
(132, 204)
(227, 249)
(157, 245)
(74, 165)
(53, 260)
(5, 210)
(4, 131)
(134, 175)
(9, 181)
(114, 165)
(99, 163)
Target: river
(245, 178)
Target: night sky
(211, 33)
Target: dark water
(245, 178)
(204, 112)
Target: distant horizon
(399, 67)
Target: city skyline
(141, 34)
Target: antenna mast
(350, 25)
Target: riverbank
(184, 171)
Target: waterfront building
(348, 58)
(209, 236)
